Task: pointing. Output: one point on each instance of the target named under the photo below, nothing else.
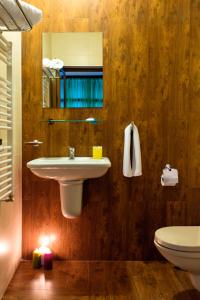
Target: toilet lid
(182, 238)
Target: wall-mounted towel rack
(8, 19)
(17, 15)
(6, 120)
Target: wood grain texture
(151, 76)
(100, 280)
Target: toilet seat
(179, 238)
(180, 245)
(177, 253)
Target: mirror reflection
(72, 70)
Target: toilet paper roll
(169, 177)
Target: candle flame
(46, 240)
(44, 250)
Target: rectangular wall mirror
(72, 70)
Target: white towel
(132, 165)
(32, 13)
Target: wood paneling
(151, 76)
(100, 280)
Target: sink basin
(70, 173)
(63, 168)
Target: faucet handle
(71, 152)
(71, 148)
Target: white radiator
(6, 121)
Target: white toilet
(181, 246)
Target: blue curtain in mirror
(81, 92)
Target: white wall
(46, 45)
(11, 212)
(75, 48)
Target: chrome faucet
(71, 152)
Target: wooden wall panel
(151, 76)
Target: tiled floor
(103, 280)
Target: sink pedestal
(71, 198)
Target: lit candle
(97, 152)
(48, 261)
(36, 261)
(46, 254)
(43, 250)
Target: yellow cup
(97, 152)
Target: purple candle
(48, 261)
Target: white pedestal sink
(70, 173)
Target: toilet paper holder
(169, 176)
(168, 166)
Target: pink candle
(48, 261)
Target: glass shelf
(90, 121)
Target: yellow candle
(97, 152)
(36, 261)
